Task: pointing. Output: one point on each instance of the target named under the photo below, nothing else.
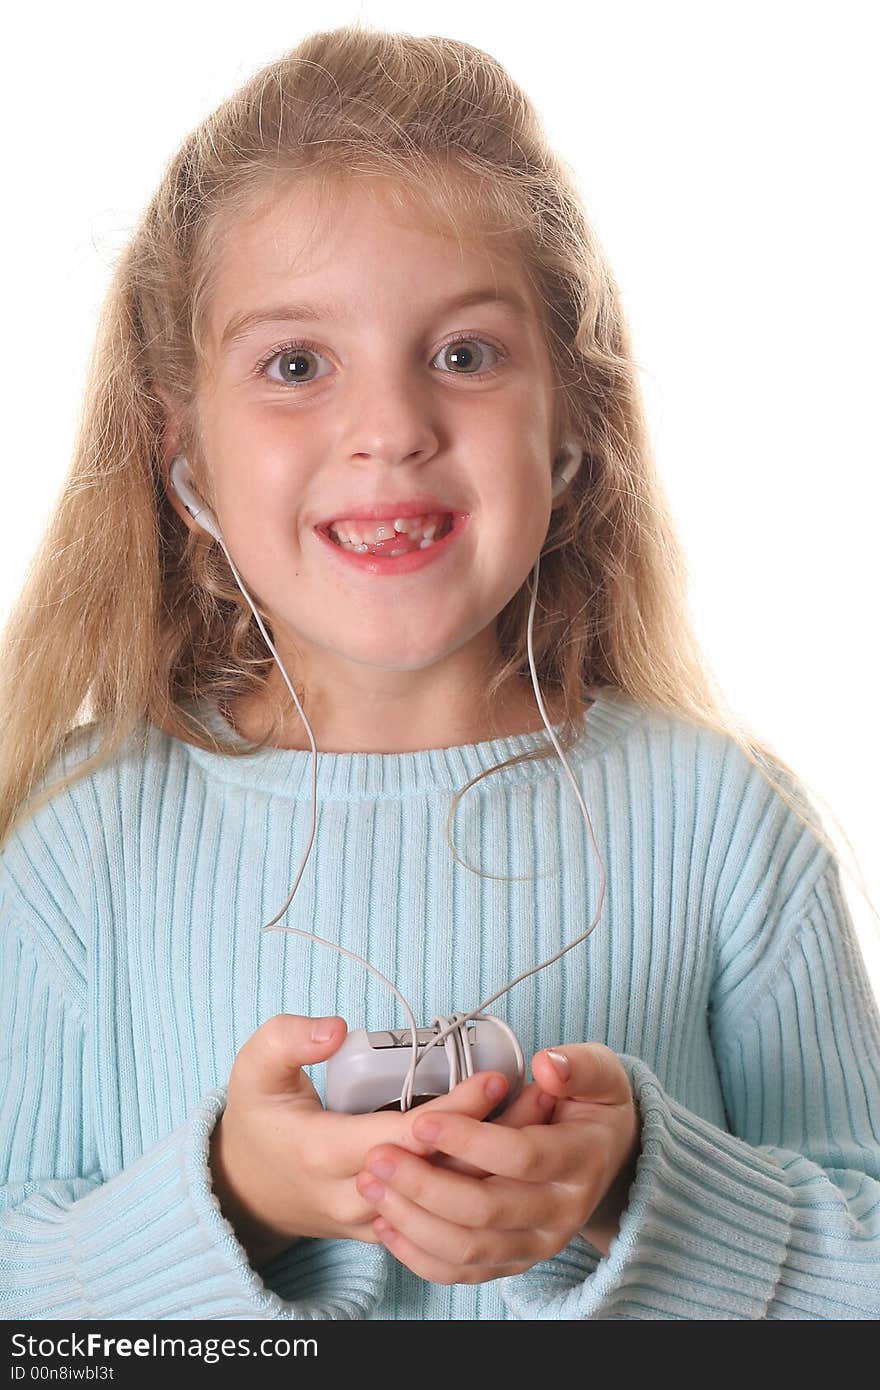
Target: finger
(447, 1254)
(583, 1071)
(475, 1098)
(533, 1106)
(345, 1139)
(270, 1062)
(538, 1153)
(499, 1204)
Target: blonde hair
(127, 615)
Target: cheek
(259, 492)
(519, 509)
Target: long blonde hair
(128, 618)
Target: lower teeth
(365, 549)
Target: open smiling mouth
(382, 547)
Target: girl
(366, 291)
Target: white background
(726, 154)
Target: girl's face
(392, 394)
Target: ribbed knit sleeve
(779, 1218)
(149, 1241)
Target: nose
(390, 419)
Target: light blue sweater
(724, 971)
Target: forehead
(359, 237)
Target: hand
(531, 1107)
(547, 1183)
(561, 1075)
(283, 1166)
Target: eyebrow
(241, 325)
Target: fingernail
(373, 1191)
(546, 1103)
(560, 1062)
(382, 1167)
(426, 1129)
(495, 1088)
(322, 1029)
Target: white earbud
(181, 481)
(565, 471)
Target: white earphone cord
(460, 1020)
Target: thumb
(270, 1062)
(582, 1071)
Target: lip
(388, 565)
(388, 511)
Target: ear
(170, 445)
(561, 430)
(560, 501)
(169, 432)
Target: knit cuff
(152, 1242)
(704, 1234)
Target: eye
(468, 354)
(464, 355)
(294, 364)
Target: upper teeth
(370, 533)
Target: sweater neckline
(357, 776)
